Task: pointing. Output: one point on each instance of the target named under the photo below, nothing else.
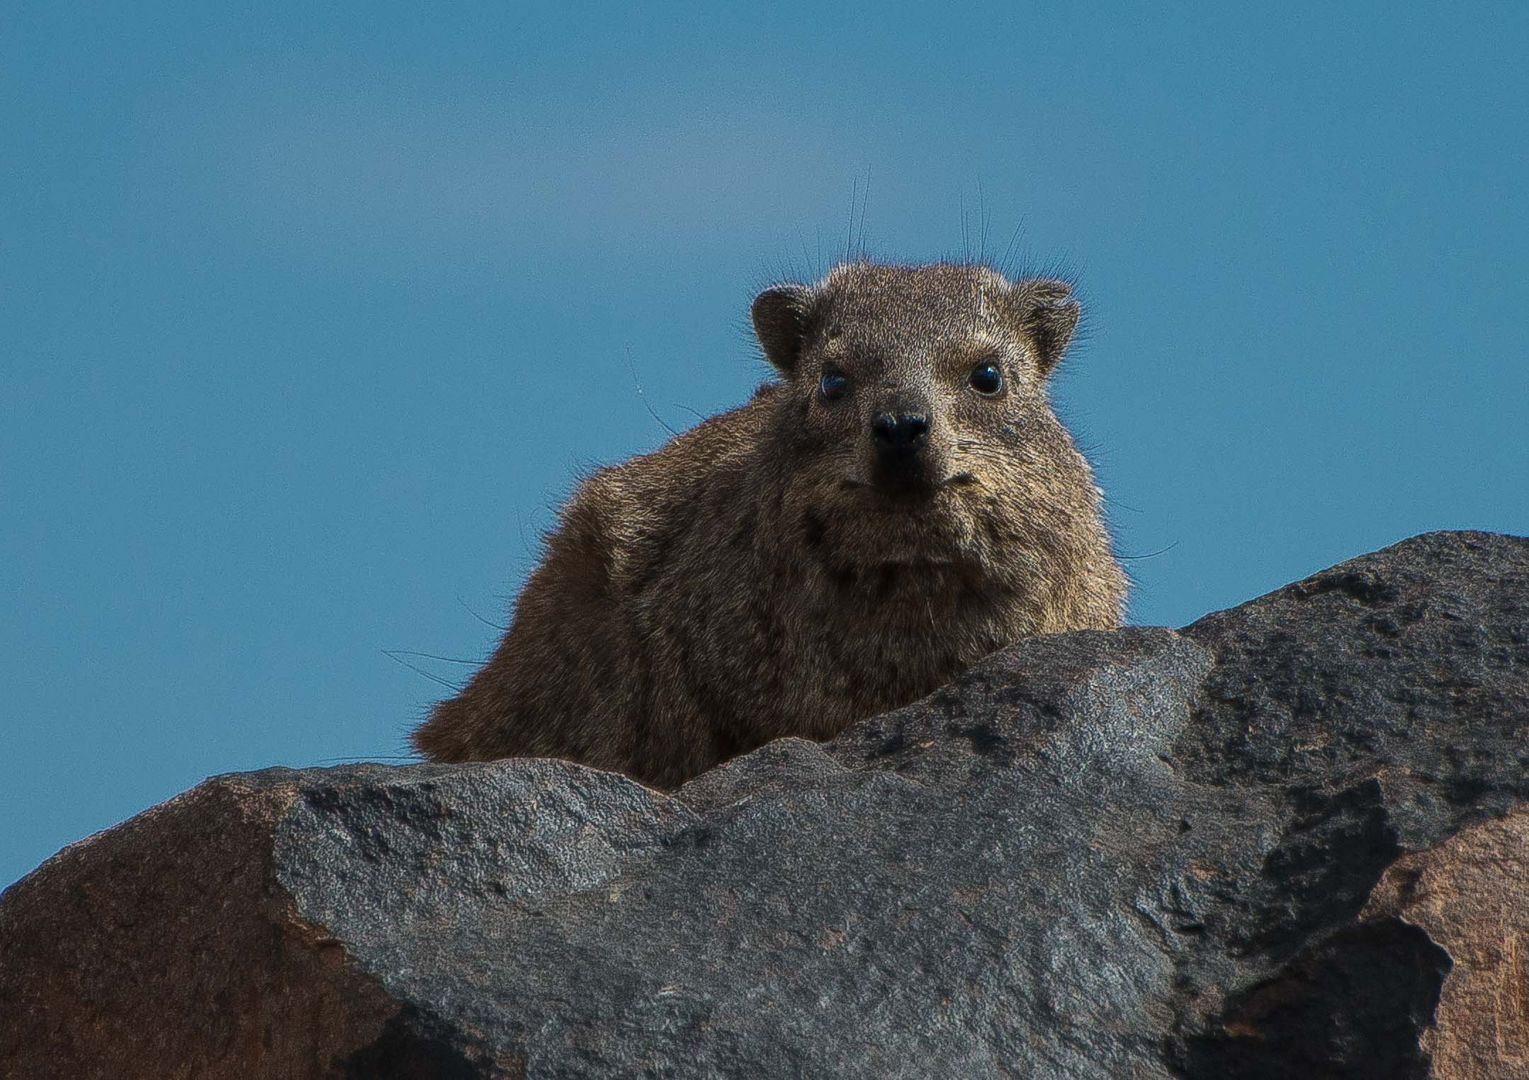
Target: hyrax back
(900, 503)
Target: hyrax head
(908, 384)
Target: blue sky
(309, 316)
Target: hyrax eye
(986, 378)
(833, 385)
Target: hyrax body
(900, 503)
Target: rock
(1467, 895)
(1288, 840)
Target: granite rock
(1292, 838)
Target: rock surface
(1289, 840)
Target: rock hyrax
(899, 503)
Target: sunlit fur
(758, 576)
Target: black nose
(900, 433)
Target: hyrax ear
(1049, 315)
(781, 315)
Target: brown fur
(758, 577)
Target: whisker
(455, 689)
(480, 618)
(1004, 265)
(631, 367)
(1150, 554)
(982, 221)
(431, 656)
(366, 759)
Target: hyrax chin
(900, 503)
